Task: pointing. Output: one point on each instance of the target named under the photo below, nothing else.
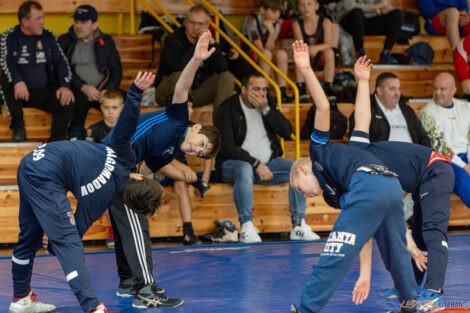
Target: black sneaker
(126, 289)
(190, 239)
(202, 187)
(148, 297)
(293, 309)
(19, 135)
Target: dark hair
(246, 78)
(112, 94)
(24, 11)
(142, 196)
(215, 138)
(271, 4)
(383, 77)
(199, 8)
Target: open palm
(201, 52)
(362, 68)
(301, 54)
(144, 80)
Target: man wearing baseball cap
(95, 63)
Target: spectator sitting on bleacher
(447, 121)
(95, 65)
(180, 175)
(251, 153)
(237, 65)
(460, 63)
(392, 118)
(316, 31)
(448, 18)
(35, 73)
(371, 17)
(262, 29)
(213, 82)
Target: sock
(188, 228)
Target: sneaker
(191, 239)
(202, 187)
(30, 304)
(249, 233)
(126, 289)
(303, 232)
(293, 309)
(225, 232)
(386, 58)
(19, 135)
(110, 243)
(148, 297)
(100, 309)
(430, 301)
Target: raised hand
(301, 54)
(362, 68)
(144, 80)
(201, 52)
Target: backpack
(338, 123)
(344, 87)
(421, 53)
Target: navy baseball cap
(85, 12)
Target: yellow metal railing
(218, 32)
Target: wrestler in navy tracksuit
(95, 174)
(156, 141)
(371, 207)
(430, 178)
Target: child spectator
(111, 106)
(316, 31)
(262, 29)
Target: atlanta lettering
(335, 242)
(103, 178)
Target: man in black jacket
(95, 64)
(213, 82)
(392, 118)
(251, 153)
(35, 73)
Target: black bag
(344, 87)
(338, 123)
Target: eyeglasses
(194, 23)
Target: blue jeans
(462, 181)
(242, 175)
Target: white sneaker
(303, 232)
(249, 233)
(30, 304)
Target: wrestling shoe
(303, 232)
(430, 301)
(293, 309)
(126, 289)
(249, 233)
(30, 304)
(100, 309)
(148, 297)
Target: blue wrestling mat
(235, 278)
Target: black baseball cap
(85, 12)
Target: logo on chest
(169, 152)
